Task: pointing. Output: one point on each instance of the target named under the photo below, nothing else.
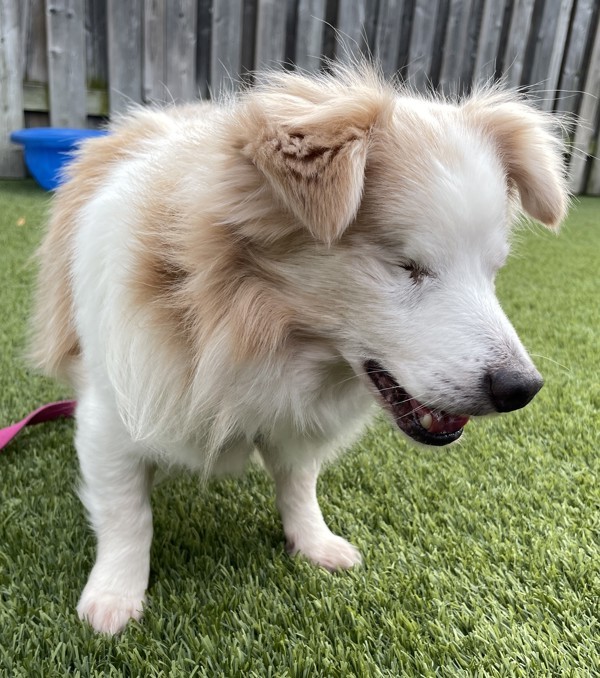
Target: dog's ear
(315, 163)
(530, 150)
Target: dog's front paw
(108, 612)
(328, 551)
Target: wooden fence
(76, 62)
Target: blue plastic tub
(48, 150)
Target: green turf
(483, 559)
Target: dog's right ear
(530, 150)
(315, 162)
(317, 173)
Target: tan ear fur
(311, 140)
(530, 150)
(318, 174)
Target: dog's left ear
(316, 164)
(530, 150)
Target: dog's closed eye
(417, 273)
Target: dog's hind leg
(116, 485)
(304, 526)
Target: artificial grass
(480, 559)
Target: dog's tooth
(426, 420)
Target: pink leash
(63, 408)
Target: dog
(261, 272)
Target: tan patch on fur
(198, 278)
(54, 346)
(291, 171)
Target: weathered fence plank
(593, 83)
(309, 34)
(180, 43)
(573, 70)
(270, 34)
(95, 40)
(470, 51)
(204, 45)
(154, 75)
(34, 43)
(421, 43)
(226, 53)
(387, 39)
(66, 62)
(372, 10)
(352, 34)
(549, 48)
(169, 31)
(489, 40)
(73, 55)
(37, 100)
(248, 38)
(518, 34)
(593, 184)
(125, 54)
(11, 91)
(583, 144)
(457, 32)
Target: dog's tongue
(437, 422)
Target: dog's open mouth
(419, 422)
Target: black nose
(512, 389)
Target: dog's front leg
(303, 524)
(116, 492)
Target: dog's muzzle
(421, 423)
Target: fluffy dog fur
(223, 277)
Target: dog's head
(407, 205)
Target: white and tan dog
(257, 273)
